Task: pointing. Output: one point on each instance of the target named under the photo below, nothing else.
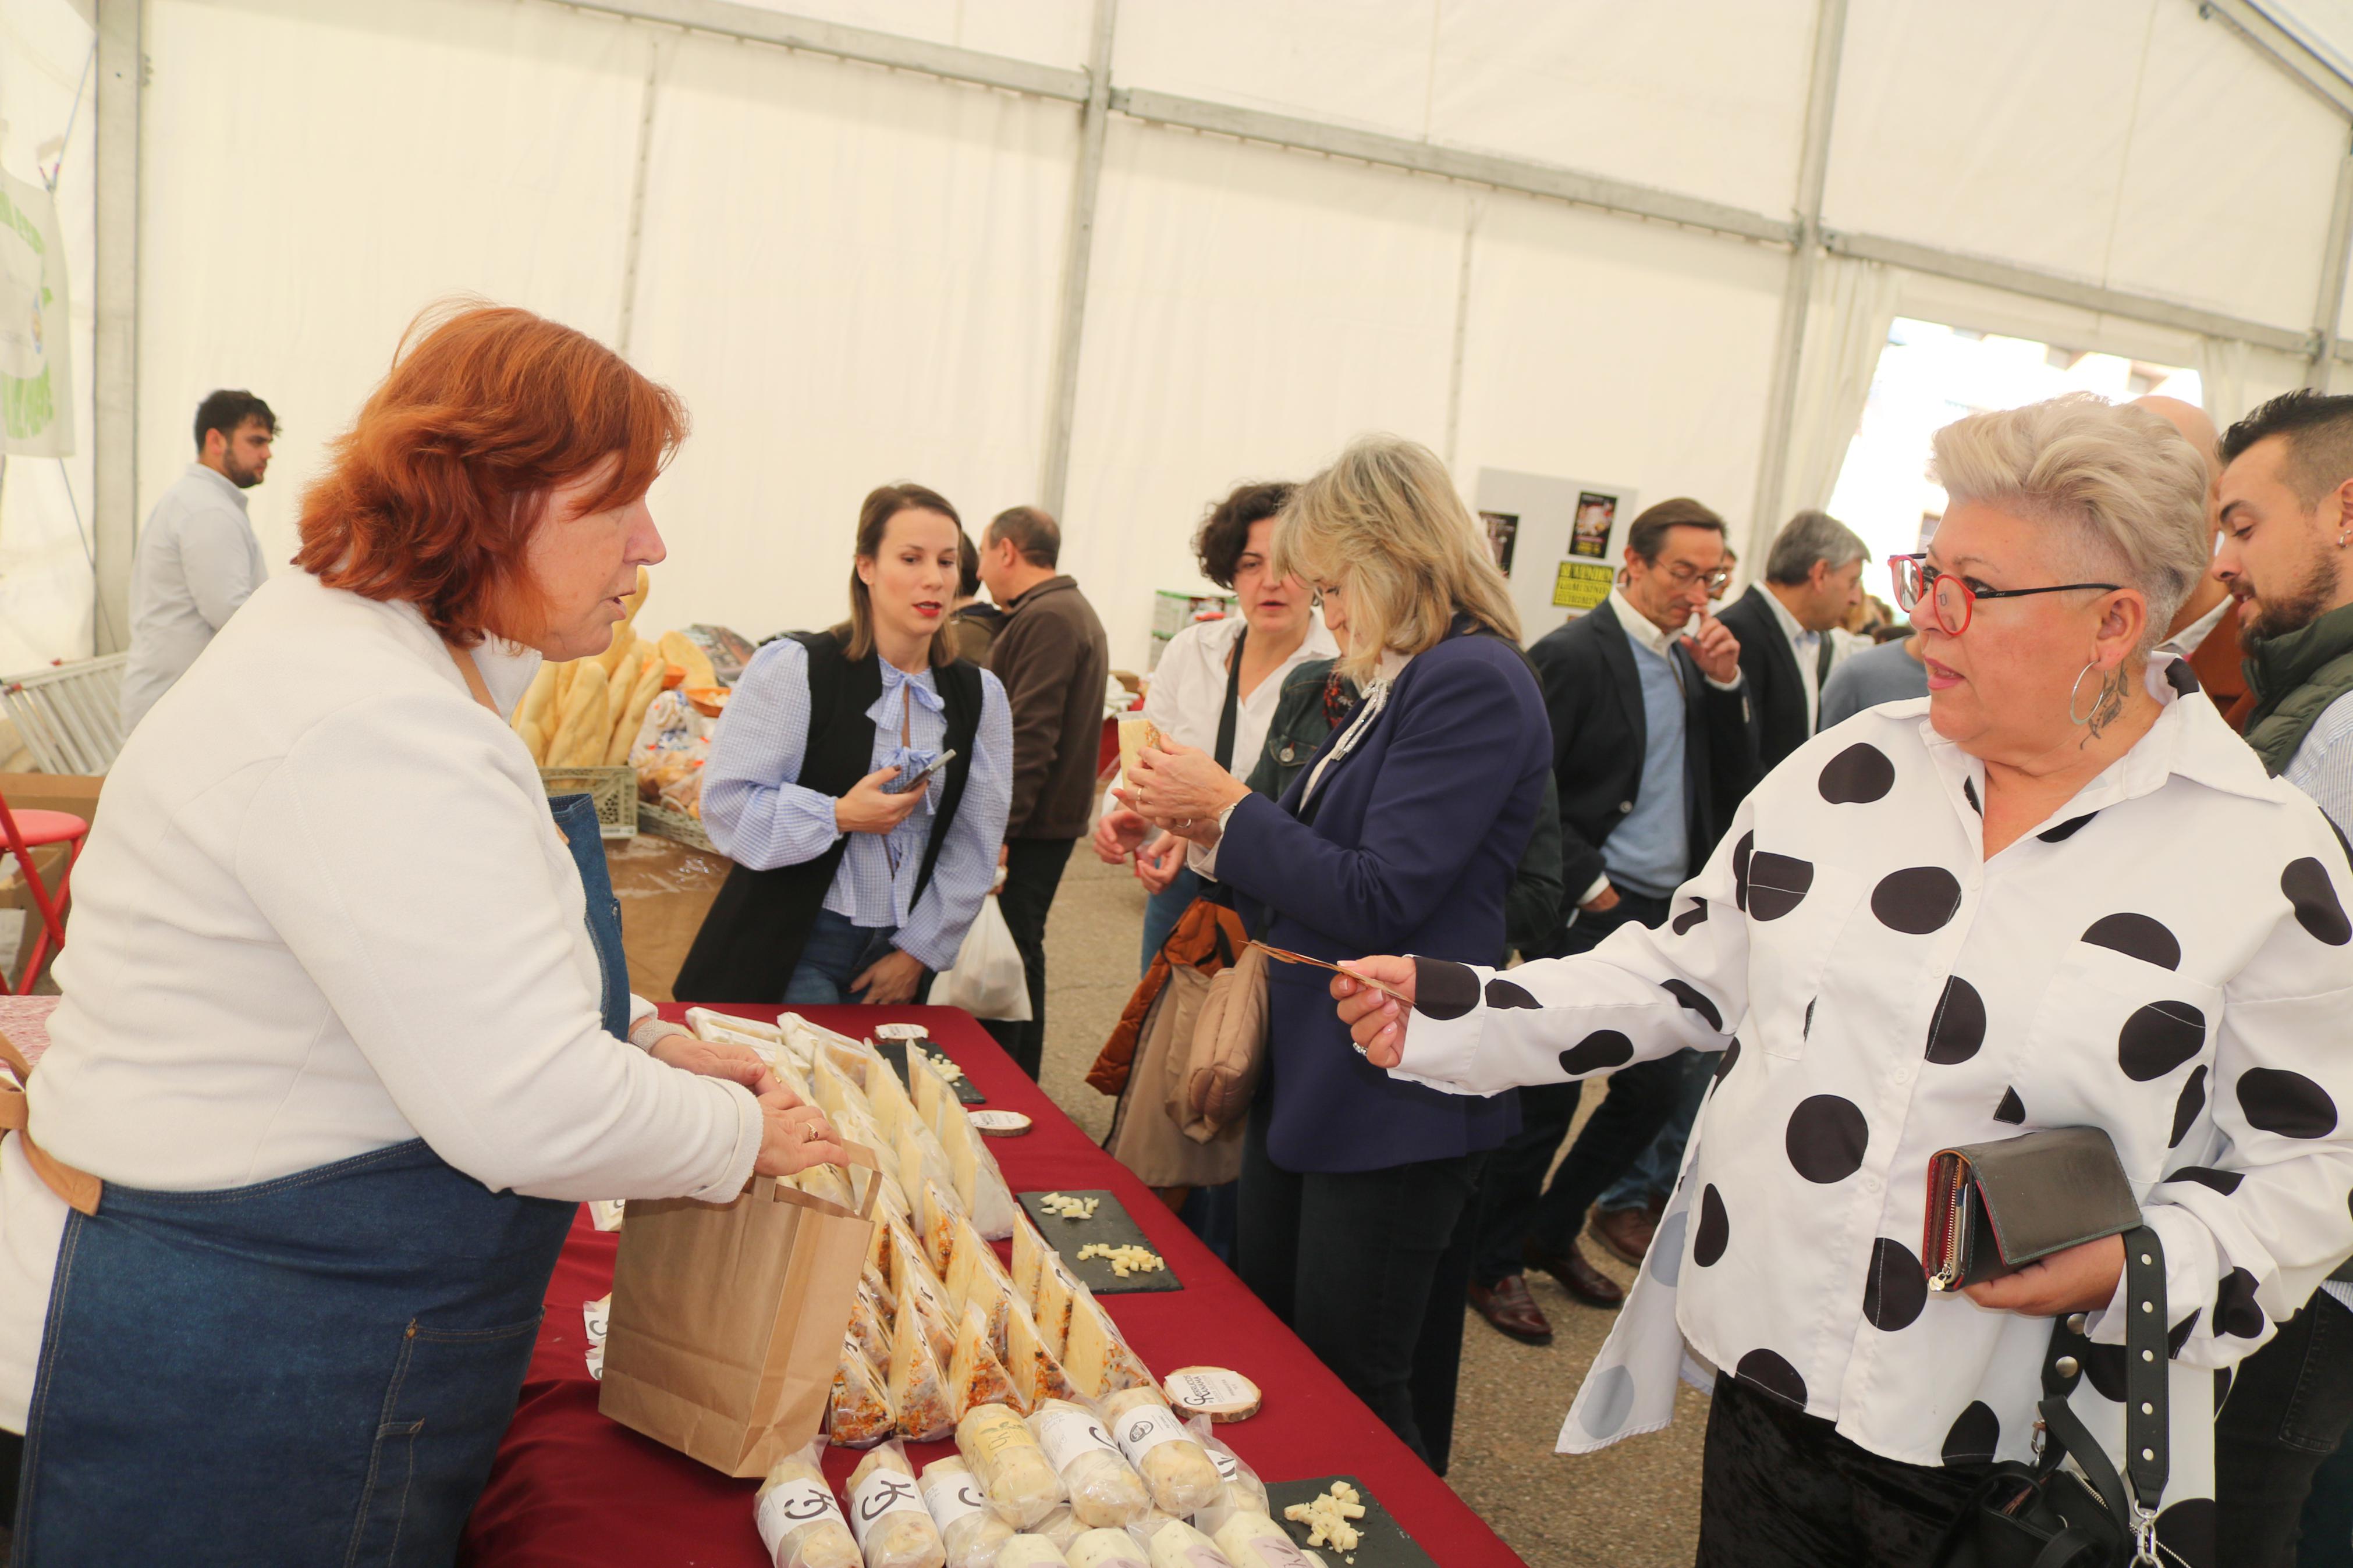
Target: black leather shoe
(1507, 1306)
(1577, 1277)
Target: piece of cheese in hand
(1212, 1391)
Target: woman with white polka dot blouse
(2057, 892)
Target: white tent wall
(1048, 32)
(45, 600)
(851, 275)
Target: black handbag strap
(1227, 715)
(2147, 1453)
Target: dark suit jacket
(1777, 687)
(1595, 701)
(1413, 839)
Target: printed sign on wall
(1558, 540)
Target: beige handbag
(1213, 1094)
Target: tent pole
(1813, 174)
(114, 381)
(635, 244)
(2331, 301)
(1470, 213)
(1078, 256)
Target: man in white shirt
(1813, 577)
(2203, 631)
(197, 558)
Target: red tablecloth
(572, 1489)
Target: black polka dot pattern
(1681, 924)
(1602, 1049)
(2159, 1037)
(2185, 1109)
(2186, 1533)
(2235, 1311)
(1508, 994)
(2136, 936)
(1724, 1063)
(2288, 1103)
(1975, 1436)
(1806, 1030)
(1714, 1231)
(1896, 1289)
(2181, 677)
(2012, 1109)
(1690, 996)
(1777, 884)
(2223, 1182)
(1957, 1028)
(1857, 776)
(1826, 1139)
(2105, 1366)
(2178, 1335)
(1969, 794)
(1741, 853)
(1444, 990)
(1771, 1373)
(2305, 883)
(1916, 899)
(2067, 829)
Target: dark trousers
(1368, 1267)
(2288, 1406)
(1781, 1489)
(1033, 871)
(1516, 1211)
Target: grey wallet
(1995, 1207)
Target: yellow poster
(1580, 584)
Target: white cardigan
(326, 910)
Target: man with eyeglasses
(1652, 752)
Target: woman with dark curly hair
(1217, 686)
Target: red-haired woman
(346, 1031)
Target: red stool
(25, 831)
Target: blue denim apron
(308, 1372)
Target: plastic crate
(615, 790)
(675, 826)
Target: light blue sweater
(1649, 849)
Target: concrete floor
(1632, 1506)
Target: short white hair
(2127, 491)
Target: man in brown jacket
(1054, 661)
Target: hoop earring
(2076, 690)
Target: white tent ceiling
(856, 273)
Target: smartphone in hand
(921, 776)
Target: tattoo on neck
(2109, 705)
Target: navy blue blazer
(1411, 844)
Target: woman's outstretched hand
(1181, 788)
(1374, 1019)
(794, 1136)
(2079, 1280)
(737, 1064)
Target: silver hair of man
(1808, 537)
(2122, 488)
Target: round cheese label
(1000, 1123)
(901, 1032)
(1211, 1391)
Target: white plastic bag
(987, 981)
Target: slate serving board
(1385, 1543)
(1113, 1226)
(895, 1053)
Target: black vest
(754, 934)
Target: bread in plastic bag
(1171, 1460)
(862, 1414)
(1254, 1541)
(1106, 1549)
(969, 1527)
(1105, 1492)
(797, 1518)
(1012, 1469)
(894, 1529)
(1031, 1551)
(918, 1391)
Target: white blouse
(1187, 692)
(2166, 958)
(326, 910)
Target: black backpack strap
(962, 692)
(1232, 708)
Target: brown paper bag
(727, 1320)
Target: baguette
(682, 650)
(632, 602)
(579, 736)
(642, 697)
(625, 640)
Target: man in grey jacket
(197, 558)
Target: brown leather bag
(1147, 1061)
(1220, 1077)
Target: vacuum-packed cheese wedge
(1012, 1469)
(1105, 1492)
(1029, 1247)
(1106, 1549)
(928, 1087)
(1254, 1541)
(891, 1103)
(869, 1326)
(1176, 1544)
(735, 1023)
(965, 1263)
(979, 1185)
(1173, 1465)
(1036, 1373)
(941, 1213)
(1031, 1551)
(969, 1527)
(974, 1375)
(887, 1513)
(918, 1392)
(834, 1090)
(862, 1414)
(830, 1182)
(1056, 1288)
(1094, 1354)
(797, 1520)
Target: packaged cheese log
(969, 1527)
(1012, 1469)
(1243, 1492)
(1095, 1355)
(1062, 1527)
(1254, 1541)
(1038, 1376)
(1104, 1491)
(974, 1375)
(1031, 1551)
(886, 1511)
(679, 649)
(643, 689)
(1106, 1549)
(576, 740)
(861, 1416)
(796, 1517)
(917, 1394)
(1176, 1544)
(1172, 1464)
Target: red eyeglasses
(1950, 598)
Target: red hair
(432, 496)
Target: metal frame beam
(2330, 301)
(2285, 50)
(114, 382)
(1078, 260)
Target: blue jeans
(1653, 1175)
(836, 953)
(1163, 910)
